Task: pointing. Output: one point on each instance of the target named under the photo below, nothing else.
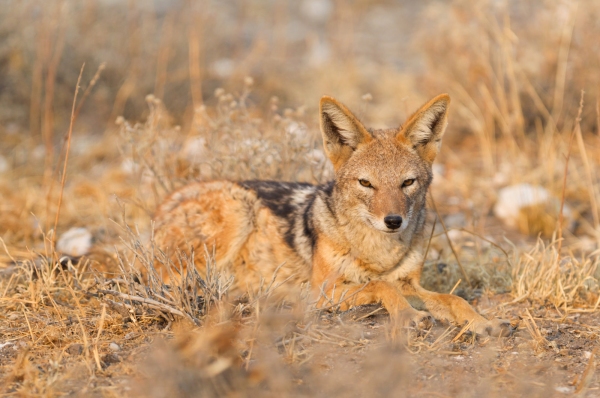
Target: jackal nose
(393, 221)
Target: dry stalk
(463, 330)
(376, 310)
(455, 286)
(195, 53)
(542, 274)
(254, 332)
(564, 188)
(90, 87)
(438, 342)
(64, 174)
(534, 331)
(563, 57)
(151, 303)
(587, 376)
(164, 52)
(100, 329)
(429, 243)
(590, 174)
(462, 269)
(49, 87)
(332, 299)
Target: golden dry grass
(229, 90)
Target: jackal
(357, 239)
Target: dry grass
(105, 324)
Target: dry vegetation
(229, 90)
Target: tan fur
(358, 240)
(231, 221)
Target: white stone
(3, 164)
(564, 389)
(455, 235)
(513, 198)
(223, 67)
(317, 11)
(194, 149)
(129, 166)
(75, 242)
(316, 156)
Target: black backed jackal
(357, 239)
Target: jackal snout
(393, 221)
(390, 206)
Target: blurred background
(514, 57)
(213, 89)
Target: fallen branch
(157, 305)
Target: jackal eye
(365, 183)
(408, 183)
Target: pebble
(3, 164)
(75, 349)
(564, 389)
(513, 198)
(75, 242)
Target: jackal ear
(342, 131)
(425, 128)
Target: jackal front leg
(347, 296)
(454, 309)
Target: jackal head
(382, 176)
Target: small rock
(114, 347)
(223, 67)
(3, 164)
(564, 389)
(433, 254)
(129, 166)
(75, 349)
(530, 208)
(455, 235)
(514, 197)
(195, 149)
(111, 358)
(456, 220)
(318, 11)
(75, 242)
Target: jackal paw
(411, 318)
(494, 327)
